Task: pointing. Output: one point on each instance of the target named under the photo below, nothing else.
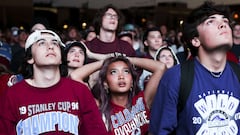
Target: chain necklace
(216, 74)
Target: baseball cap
(125, 33)
(75, 43)
(5, 54)
(37, 35)
(129, 27)
(79, 44)
(14, 31)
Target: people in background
(165, 55)
(90, 35)
(18, 51)
(236, 40)
(152, 40)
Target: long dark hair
(27, 69)
(97, 21)
(104, 96)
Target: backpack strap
(187, 75)
(186, 80)
(236, 69)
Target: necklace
(216, 74)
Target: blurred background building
(62, 13)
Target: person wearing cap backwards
(46, 102)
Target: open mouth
(76, 61)
(51, 54)
(122, 84)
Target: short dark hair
(199, 15)
(97, 21)
(146, 33)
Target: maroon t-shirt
(117, 45)
(64, 108)
(3, 82)
(126, 121)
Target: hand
(116, 54)
(88, 52)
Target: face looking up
(46, 51)
(75, 57)
(215, 32)
(110, 20)
(119, 78)
(166, 57)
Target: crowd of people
(118, 79)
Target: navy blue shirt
(212, 106)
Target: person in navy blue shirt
(212, 106)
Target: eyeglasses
(111, 16)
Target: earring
(106, 88)
(107, 91)
(131, 88)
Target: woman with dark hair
(125, 108)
